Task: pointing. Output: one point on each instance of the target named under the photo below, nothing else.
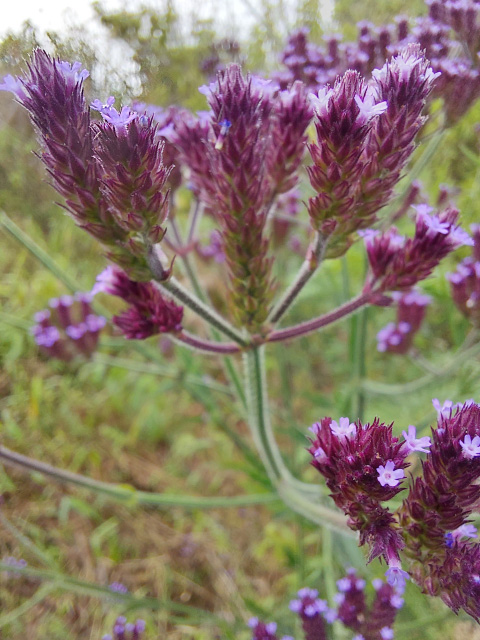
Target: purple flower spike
(123, 630)
(311, 611)
(362, 470)
(352, 609)
(397, 337)
(399, 263)
(436, 514)
(118, 587)
(111, 174)
(388, 475)
(238, 169)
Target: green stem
(129, 601)
(26, 542)
(191, 301)
(128, 494)
(206, 346)
(259, 416)
(10, 227)
(191, 272)
(314, 511)
(290, 489)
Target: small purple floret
(416, 444)
(388, 475)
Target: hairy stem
(259, 415)
(318, 323)
(206, 345)
(127, 494)
(289, 488)
(314, 257)
(191, 301)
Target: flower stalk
(310, 326)
(129, 494)
(191, 301)
(312, 261)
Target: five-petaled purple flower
(416, 444)
(388, 475)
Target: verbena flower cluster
(449, 35)
(149, 312)
(367, 622)
(68, 328)
(364, 467)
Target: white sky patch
(232, 16)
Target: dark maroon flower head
(109, 174)
(68, 328)
(191, 137)
(149, 312)
(363, 465)
(344, 118)
(374, 622)
(436, 514)
(463, 16)
(365, 137)
(52, 93)
(457, 579)
(444, 497)
(229, 154)
(383, 610)
(399, 263)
